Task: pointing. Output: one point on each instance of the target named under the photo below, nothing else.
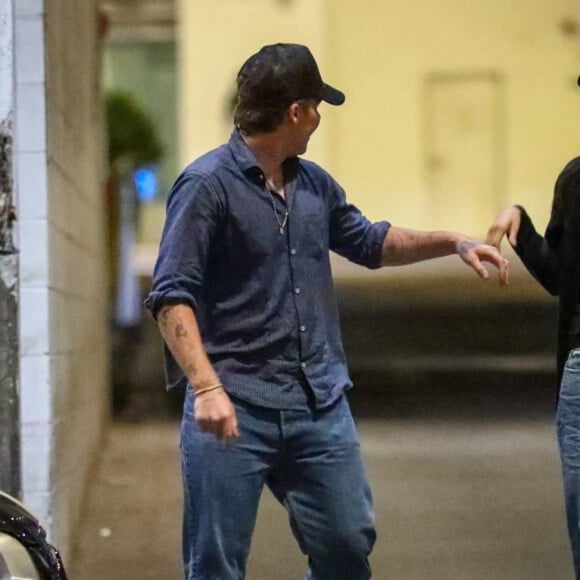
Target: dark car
(24, 552)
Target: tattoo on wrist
(466, 245)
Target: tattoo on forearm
(180, 330)
(166, 325)
(179, 340)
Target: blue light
(146, 182)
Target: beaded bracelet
(208, 389)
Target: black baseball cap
(284, 73)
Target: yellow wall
(381, 53)
(215, 38)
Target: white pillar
(10, 479)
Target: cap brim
(331, 95)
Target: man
(554, 260)
(244, 298)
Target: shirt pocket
(315, 242)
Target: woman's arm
(535, 251)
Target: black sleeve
(539, 254)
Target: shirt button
(302, 328)
(304, 365)
(293, 251)
(296, 290)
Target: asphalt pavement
(469, 495)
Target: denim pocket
(569, 404)
(573, 363)
(568, 414)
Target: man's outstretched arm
(403, 246)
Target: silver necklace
(281, 222)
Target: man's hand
(506, 223)
(473, 253)
(215, 413)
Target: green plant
(132, 135)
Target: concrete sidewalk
(455, 500)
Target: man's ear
(294, 112)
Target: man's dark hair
(253, 118)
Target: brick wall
(63, 302)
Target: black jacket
(554, 259)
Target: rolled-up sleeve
(352, 235)
(190, 225)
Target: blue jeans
(568, 423)
(309, 459)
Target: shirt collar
(242, 154)
(246, 159)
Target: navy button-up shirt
(264, 300)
